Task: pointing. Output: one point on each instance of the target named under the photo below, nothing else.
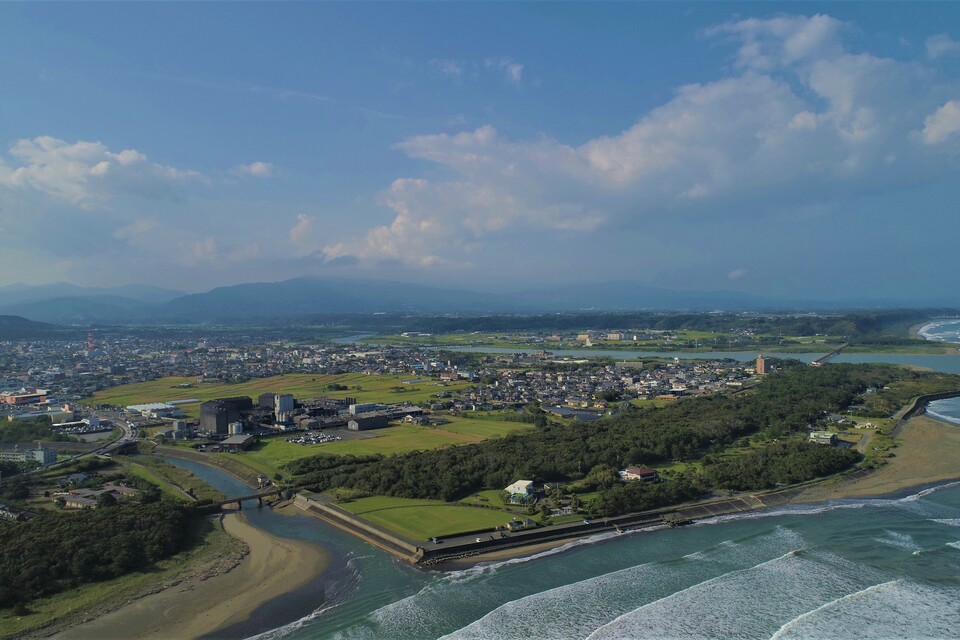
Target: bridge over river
(823, 359)
(255, 496)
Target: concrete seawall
(322, 507)
(431, 553)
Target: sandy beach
(928, 453)
(274, 566)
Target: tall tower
(761, 365)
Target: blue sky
(798, 149)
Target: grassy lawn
(483, 426)
(424, 519)
(269, 456)
(401, 438)
(653, 402)
(168, 477)
(364, 388)
(490, 498)
(145, 474)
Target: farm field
(365, 388)
(420, 520)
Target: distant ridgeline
(18, 328)
(783, 407)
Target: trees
(60, 550)
(784, 404)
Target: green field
(423, 519)
(365, 388)
(271, 454)
(489, 497)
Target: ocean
(877, 568)
(865, 568)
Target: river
(946, 363)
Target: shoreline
(928, 455)
(204, 605)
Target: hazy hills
(17, 328)
(65, 303)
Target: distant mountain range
(65, 303)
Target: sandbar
(196, 607)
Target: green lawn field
(365, 388)
(489, 497)
(273, 453)
(421, 520)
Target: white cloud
(512, 71)
(737, 274)
(134, 229)
(254, 170)
(88, 174)
(942, 45)
(448, 68)
(943, 123)
(767, 44)
(301, 235)
(802, 118)
(211, 254)
(200, 252)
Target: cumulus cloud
(800, 118)
(942, 124)
(254, 170)
(88, 174)
(209, 252)
(942, 45)
(448, 68)
(301, 235)
(512, 71)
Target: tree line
(57, 551)
(784, 404)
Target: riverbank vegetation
(210, 549)
(55, 551)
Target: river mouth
(337, 582)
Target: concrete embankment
(323, 507)
(430, 553)
(918, 406)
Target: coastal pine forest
(784, 405)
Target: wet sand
(274, 567)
